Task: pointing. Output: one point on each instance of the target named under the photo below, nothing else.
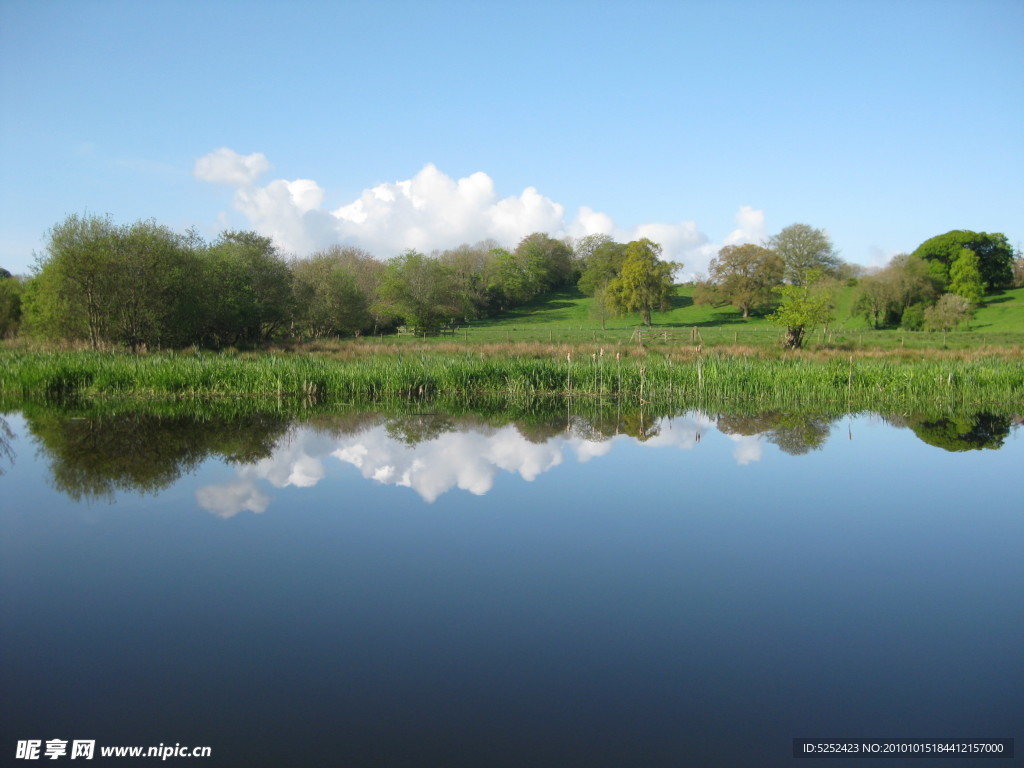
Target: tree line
(143, 285)
(797, 272)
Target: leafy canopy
(645, 282)
(803, 307)
(803, 248)
(747, 276)
(995, 256)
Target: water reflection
(960, 433)
(94, 454)
(632, 586)
(6, 450)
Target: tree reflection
(97, 450)
(418, 428)
(92, 456)
(6, 438)
(962, 432)
(794, 433)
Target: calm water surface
(433, 591)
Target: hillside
(565, 315)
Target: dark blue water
(387, 596)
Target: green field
(564, 317)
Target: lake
(593, 589)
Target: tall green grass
(858, 383)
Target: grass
(552, 347)
(564, 317)
(688, 377)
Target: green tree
(802, 308)
(602, 265)
(549, 260)
(328, 301)
(746, 275)
(131, 284)
(995, 256)
(584, 247)
(883, 297)
(367, 271)
(72, 293)
(645, 282)
(417, 289)
(802, 249)
(472, 269)
(965, 277)
(154, 296)
(515, 280)
(874, 298)
(247, 290)
(11, 289)
(602, 307)
(949, 311)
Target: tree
(549, 260)
(874, 298)
(949, 311)
(472, 269)
(328, 301)
(746, 275)
(247, 290)
(417, 289)
(71, 295)
(802, 249)
(154, 295)
(645, 282)
(131, 284)
(802, 308)
(11, 289)
(602, 307)
(515, 280)
(367, 271)
(885, 296)
(602, 266)
(965, 277)
(584, 247)
(995, 257)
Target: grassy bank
(856, 382)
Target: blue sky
(426, 124)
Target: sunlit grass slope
(566, 316)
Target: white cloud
(466, 460)
(231, 498)
(749, 448)
(225, 166)
(749, 227)
(432, 211)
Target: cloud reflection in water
(469, 460)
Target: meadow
(565, 316)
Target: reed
(856, 382)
